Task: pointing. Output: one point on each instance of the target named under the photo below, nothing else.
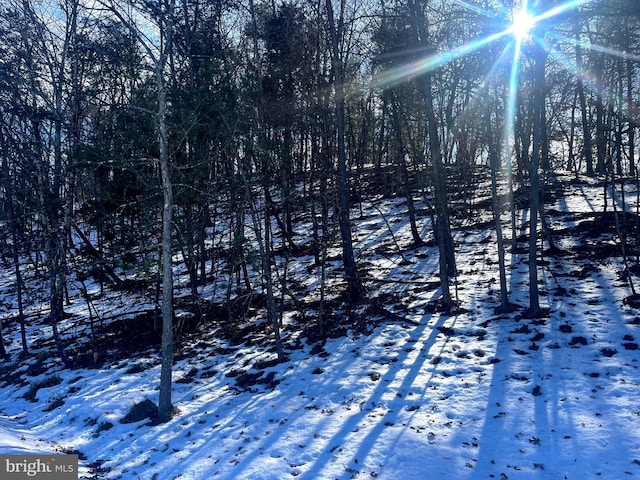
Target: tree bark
(586, 128)
(160, 62)
(442, 226)
(411, 209)
(494, 161)
(632, 123)
(164, 400)
(13, 230)
(51, 176)
(354, 285)
(534, 176)
(601, 137)
(165, 407)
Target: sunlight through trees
(145, 143)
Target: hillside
(398, 390)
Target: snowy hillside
(419, 394)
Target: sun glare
(522, 24)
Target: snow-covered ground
(422, 395)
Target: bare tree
(354, 285)
(8, 185)
(442, 224)
(48, 52)
(158, 50)
(494, 160)
(539, 137)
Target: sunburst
(523, 23)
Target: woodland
(229, 169)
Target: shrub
(104, 426)
(48, 381)
(55, 402)
(101, 428)
(140, 411)
(136, 368)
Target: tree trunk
(534, 177)
(442, 226)
(411, 209)
(601, 137)
(56, 242)
(160, 60)
(265, 246)
(586, 129)
(164, 401)
(13, 230)
(165, 407)
(494, 161)
(354, 285)
(632, 122)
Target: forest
(246, 180)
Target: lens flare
(522, 24)
(395, 76)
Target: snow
(472, 395)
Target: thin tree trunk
(165, 407)
(621, 230)
(19, 282)
(442, 227)
(13, 228)
(411, 209)
(505, 306)
(354, 285)
(601, 137)
(586, 129)
(161, 60)
(632, 122)
(572, 164)
(56, 261)
(534, 177)
(164, 401)
(265, 246)
(264, 241)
